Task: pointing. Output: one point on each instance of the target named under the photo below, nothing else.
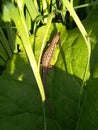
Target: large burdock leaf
(20, 101)
(21, 106)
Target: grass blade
(22, 29)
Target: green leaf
(20, 95)
(20, 23)
(62, 87)
(89, 110)
(32, 9)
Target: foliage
(26, 27)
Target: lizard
(46, 61)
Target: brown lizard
(46, 61)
